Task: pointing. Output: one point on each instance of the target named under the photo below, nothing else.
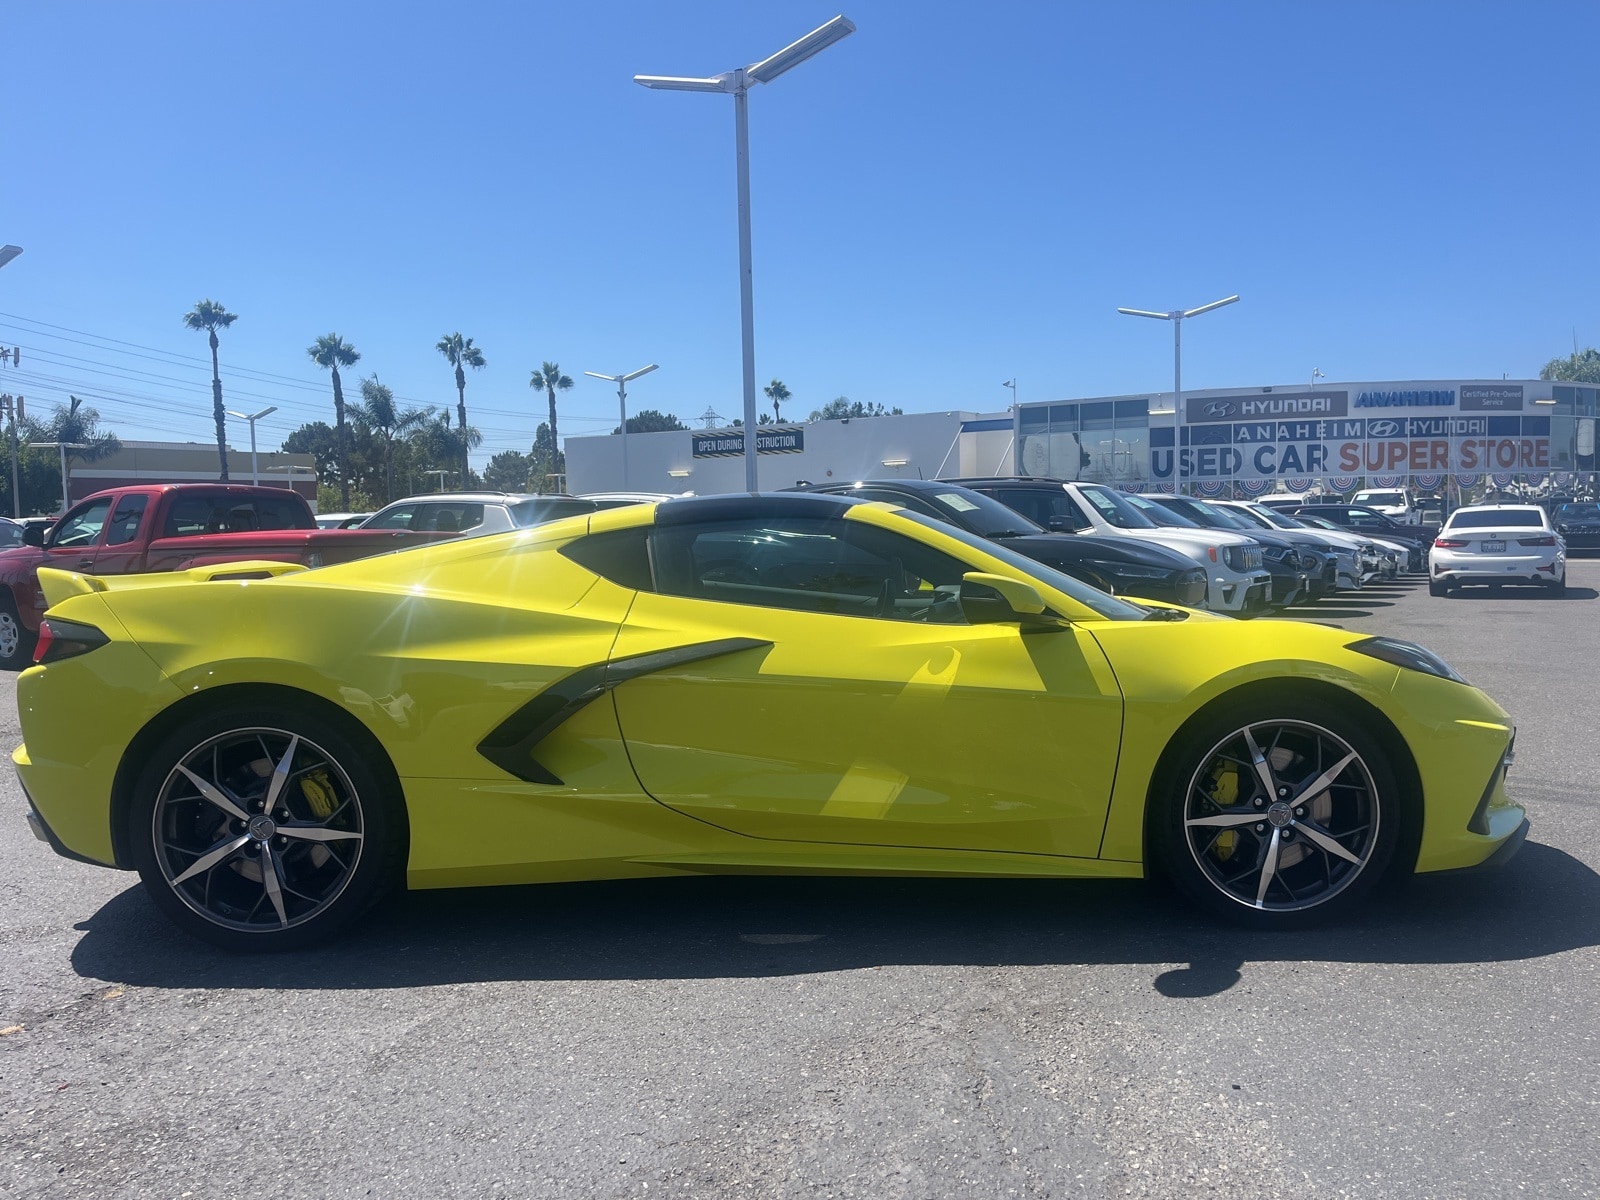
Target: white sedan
(1498, 543)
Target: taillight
(60, 639)
(1449, 543)
(1538, 541)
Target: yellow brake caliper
(1225, 794)
(317, 789)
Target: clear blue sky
(953, 196)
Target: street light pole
(441, 475)
(255, 474)
(622, 382)
(1177, 316)
(737, 83)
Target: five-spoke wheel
(259, 833)
(1279, 816)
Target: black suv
(1117, 565)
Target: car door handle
(85, 563)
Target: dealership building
(1467, 434)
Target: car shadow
(1543, 902)
(1523, 593)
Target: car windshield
(1579, 512)
(1497, 518)
(1229, 518)
(1267, 518)
(1388, 498)
(1114, 508)
(1107, 606)
(1160, 514)
(984, 515)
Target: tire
(1559, 587)
(16, 642)
(1296, 856)
(1438, 587)
(336, 838)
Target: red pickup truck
(171, 527)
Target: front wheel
(1276, 814)
(259, 826)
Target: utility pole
(12, 409)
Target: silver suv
(475, 513)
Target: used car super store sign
(1442, 430)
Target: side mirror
(33, 535)
(998, 599)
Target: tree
(648, 420)
(507, 472)
(377, 409)
(438, 445)
(462, 353)
(41, 469)
(1582, 367)
(842, 408)
(211, 316)
(777, 393)
(547, 465)
(330, 351)
(548, 379)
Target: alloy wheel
(1281, 816)
(257, 830)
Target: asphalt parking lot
(859, 1038)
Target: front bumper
(1232, 592)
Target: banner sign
(1399, 445)
(1505, 398)
(729, 443)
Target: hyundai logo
(1382, 428)
(1220, 408)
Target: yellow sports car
(792, 683)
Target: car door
(76, 538)
(848, 700)
(121, 549)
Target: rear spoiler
(57, 585)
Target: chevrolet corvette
(756, 683)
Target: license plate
(1492, 547)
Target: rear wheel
(1276, 814)
(259, 827)
(1559, 587)
(16, 642)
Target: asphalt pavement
(850, 1038)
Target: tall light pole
(1177, 317)
(255, 474)
(1016, 430)
(622, 382)
(737, 82)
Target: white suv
(475, 513)
(1391, 502)
(1236, 575)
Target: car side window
(1361, 520)
(448, 518)
(832, 566)
(82, 528)
(125, 519)
(395, 518)
(1032, 504)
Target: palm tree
(461, 352)
(778, 394)
(211, 316)
(378, 410)
(332, 351)
(548, 379)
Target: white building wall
(914, 445)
